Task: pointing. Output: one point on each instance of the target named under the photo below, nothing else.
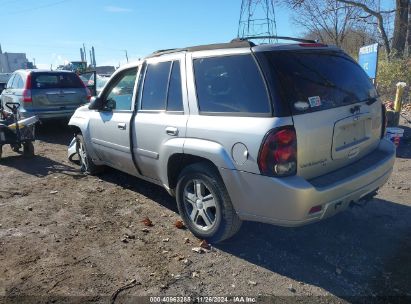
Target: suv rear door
(162, 113)
(334, 105)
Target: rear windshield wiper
(369, 101)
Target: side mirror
(96, 103)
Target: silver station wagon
(286, 134)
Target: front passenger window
(120, 94)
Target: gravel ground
(67, 237)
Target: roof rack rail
(277, 37)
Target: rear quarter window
(56, 80)
(230, 84)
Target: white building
(10, 62)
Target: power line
(37, 8)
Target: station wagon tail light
(27, 90)
(278, 153)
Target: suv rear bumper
(288, 201)
(44, 114)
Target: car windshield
(314, 81)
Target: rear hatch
(55, 91)
(334, 105)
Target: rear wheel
(28, 149)
(86, 163)
(204, 204)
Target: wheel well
(178, 162)
(75, 129)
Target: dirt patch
(64, 235)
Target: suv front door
(110, 127)
(162, 113)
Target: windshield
(315, 81)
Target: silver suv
(286, 134)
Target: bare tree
(327, 19)
(409, 30)
(400, 27)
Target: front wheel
(87, 165)
(28, 149)
(204, 204)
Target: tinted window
(120, 94)
(155, 86)
(230, 84)
(318, 80)
(55, 80)
(175, 98)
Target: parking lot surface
(64, 235)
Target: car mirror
(111, 104)
(96, 103)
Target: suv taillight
(27, 90)
(384, 120)
(88, 94)
(278, 153)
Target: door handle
(172, 131)
(122, 126)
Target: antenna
(257, 19)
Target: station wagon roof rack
(276, 37)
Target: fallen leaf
(147, 222)
(166, 240)
(253, 283)
(179, 224)
(186, 240)
(53, 192)
(198, 249)
(146, 230)
(205, 245)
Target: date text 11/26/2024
(205, 299)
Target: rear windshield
(55, 80)
(315, 81)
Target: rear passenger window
(155, 86)
(162, 87)
(230, 84)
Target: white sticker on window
(315, 101)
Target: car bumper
(288, 201)
(45, 115)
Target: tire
(204, 204)
(28, 149)
(1, 151)
(86, 163)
